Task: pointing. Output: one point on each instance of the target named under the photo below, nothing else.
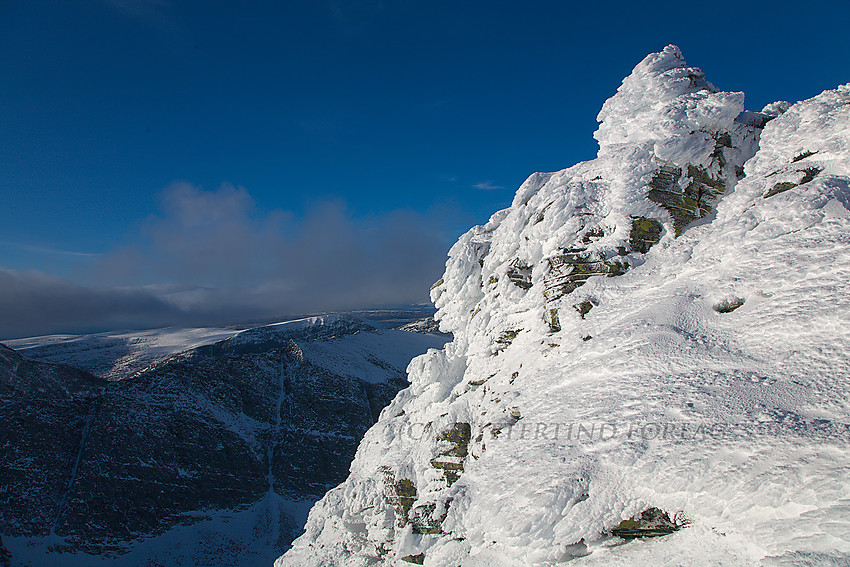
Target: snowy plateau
(653, 340)
(188, 447)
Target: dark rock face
(219, 427)
(644, 234)
(450, 461)
(45, 413)
(424, 325)
(5, 556)
(520, 274)
(573, 267)
(652, 522)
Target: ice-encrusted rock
(594, 374)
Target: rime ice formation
(658, 333)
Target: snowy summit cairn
(658, 333)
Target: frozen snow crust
(662, 326)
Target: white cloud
(35, 249)
(157, 13)
(487, 186)
(34, 303)
(212, 257)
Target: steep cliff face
(44, 419)
(652, 340)
(209, 457)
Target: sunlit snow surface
(114, 355)
(738, 421)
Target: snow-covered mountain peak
(645, 333)
(670, 108)
(671, 147)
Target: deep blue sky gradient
(377, 106)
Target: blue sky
(193, 162)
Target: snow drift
(663, 327)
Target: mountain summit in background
(189, 446)
(651, 342)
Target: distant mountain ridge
(117, 354)
(214, 452)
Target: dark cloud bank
(211, 257)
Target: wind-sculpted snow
(663, 327)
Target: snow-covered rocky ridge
(665, 326)
(210, 455)
(114, 355)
